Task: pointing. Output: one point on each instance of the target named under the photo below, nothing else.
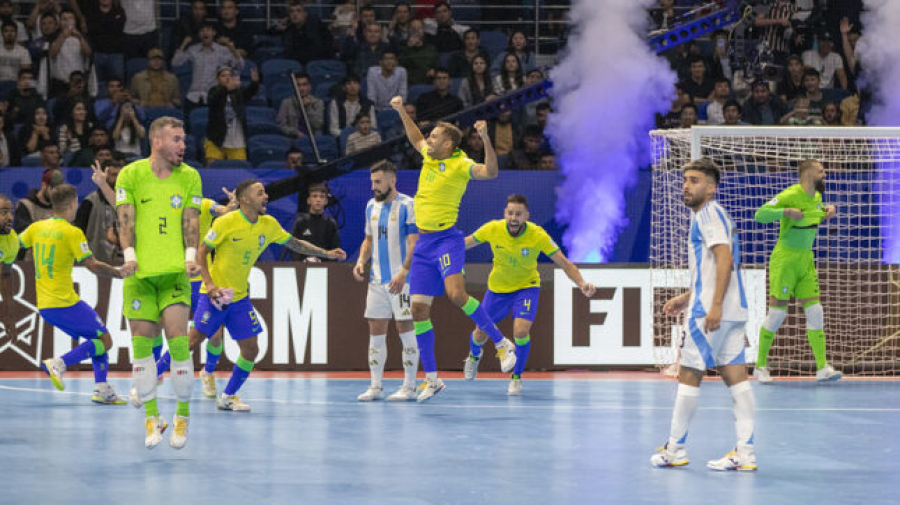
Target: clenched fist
(397, 103)
(481, 127)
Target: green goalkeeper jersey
(158, 207)
(799, 235)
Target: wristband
(190, 254)
(129, 255)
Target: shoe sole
(101, 401)
(744, 468)
(670, 465)
(438, 390)
(232, 410)
(833, 378)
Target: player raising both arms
(58, 246)
(792, 267)
(716, 314)
(158, 201)
(514, 284)
(440, 252)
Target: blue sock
(157, 348)
(476, 313)
(239, 374)
(212, 357)
(474, 347)
(523, 345)
(101, 366)
(425, 340)
(162, 362)
(87, 349)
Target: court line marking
(508, 406)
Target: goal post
(857, 253)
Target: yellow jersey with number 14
(57, 247)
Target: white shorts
(382, 304)
(702, 351)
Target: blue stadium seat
(133, 66)
(444, 59)
(197, 121)
(326, 71)
(263, 54)
(269, 147)
(278, 90)
(272, 164)
(345, 133)
(455, 84)
(6, 88)
(328, 147)
(416, 90)
(152, 113)
(260, 115)
(191, 149)
(230, 164)
(322, 90)
(495, 42)
(274, 69)
(262, 40)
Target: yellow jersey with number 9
(57, 247)
(442, 184)
(238, 244)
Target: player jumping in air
(514, 284)
(716, 314)
(792, 268)
(439, 256)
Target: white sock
(430, 375)
(143, 373)
(377, 357)
(686, 402)
(182, 377)
(410, 358)
(744, 409)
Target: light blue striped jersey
(711, 226)
(389, 224)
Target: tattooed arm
(125, 213)
(190, 230)
(304, 247)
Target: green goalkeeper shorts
(792, 274)
(146, 298)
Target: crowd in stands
(82, 77)
(806, 75)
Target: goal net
(857, 253)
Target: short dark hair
(317, 187)
(707, 166)
(687, 106)
(440, 3)
(302, 75)
(360, 115)
(441, 70)
(242, 187)
(292, 150)
(517, 198)
(695, 58)
(10, 23)
(543, 106)
(23, 71)
(472, 30)
(451, 131)
(384, 166)
(722, 79)
(808, 71)
(350, 78)
(61, 195)
(732, 103)
(389, 50)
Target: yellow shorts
(214, 152)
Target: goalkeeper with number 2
(792, 269)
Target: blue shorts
(78, 321)
(436, 256)
(522, 303)
(239, 318)
(195, 294)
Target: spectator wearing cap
(386, 81)
(10, 154)
(439, 102)
(828, 63)
(344, 110)
(314, 226)
(290, 118)
(226, 136)
(13, 56)
(207, 57)
(155, 87)
(763, 108)
(36, 206)
(105, 20)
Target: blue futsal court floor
(582, 438)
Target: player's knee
(480, 336)
(107, 341)
(249, 349)
(195, 338)
(458, 296)
(521, 334)
(420, 311)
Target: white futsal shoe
(232, 402)
(470, 367)
(742, 459)
(371, 394)
(55, 368)
(209, 384)
(105, 394)
(404, 394)
(762, 375)
(669, 456)
(828, 373)
(515, 387)
(506, 352)
(429, 388)
(178, 438)
(155, 427)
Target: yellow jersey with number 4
(515, 258)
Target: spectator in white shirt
(364, 137)
(141, 30)
(828, 63)
(13, 56)
(386, 81)
(70, 52)
(207, 57)
(721, 93)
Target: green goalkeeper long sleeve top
(794, 234)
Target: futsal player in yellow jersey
(239, 238)
(439, 256)
(9, 248)
(514, 283)
(58, 246)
